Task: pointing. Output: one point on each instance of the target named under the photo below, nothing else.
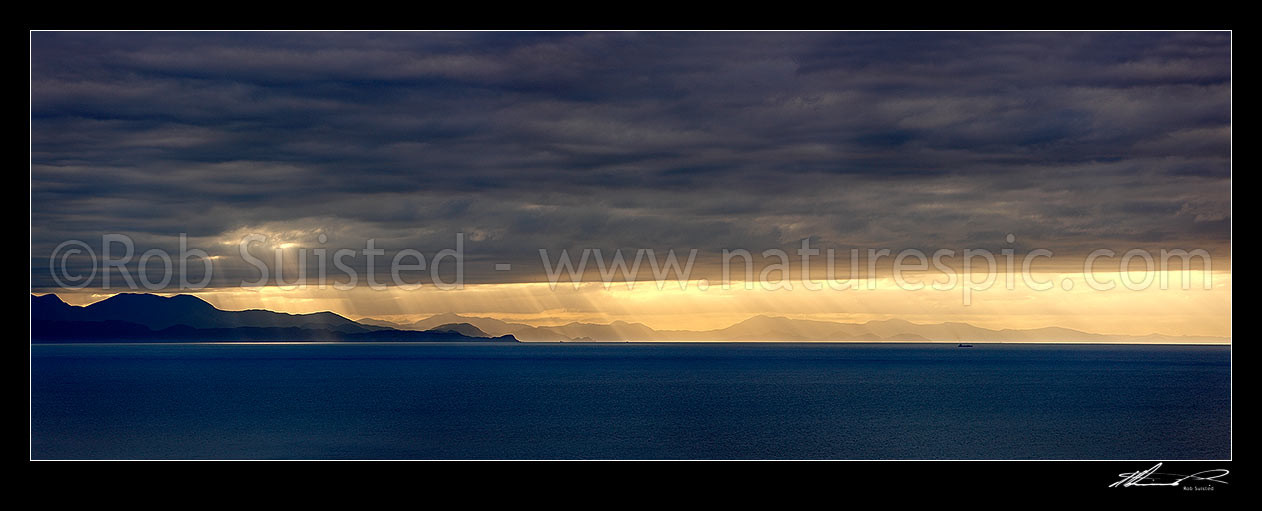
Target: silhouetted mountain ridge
(152, 318)
(158, 312)
(460, 328)
(146, 317)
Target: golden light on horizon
(699, 305)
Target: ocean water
(630, 401)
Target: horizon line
(1225, 340)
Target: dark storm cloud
(1071, 141)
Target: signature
(1152, 477)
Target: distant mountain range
(770, 328)
(151, 318)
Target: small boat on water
(964, 346)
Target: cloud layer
(522, 141)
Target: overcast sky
(522, 141)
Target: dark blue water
(631, 401)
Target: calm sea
(630, 401)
